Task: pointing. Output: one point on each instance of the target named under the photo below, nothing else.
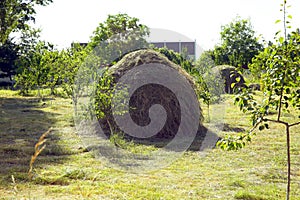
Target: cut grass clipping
(38, 148)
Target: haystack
(149, 95)
(230, 75)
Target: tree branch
(295, 124)
(277, 121)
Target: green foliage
(280, 73)
(177, 58)
(9, 54)
(34, 68)
(279, 65)
(41, 66)
(70, 62)
(15, 15)
(239, 44)
(205, 62)
(115, 37)
(214, 84)
(201, 86)
(104, 94)
(117, 27)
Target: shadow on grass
(204, 139)
(22, 123)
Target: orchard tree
(116, 24)
(118, 35)
(205, 62)
(280, 74)
(70, 62)
(238, 44)
(54, 61)
(34, 68)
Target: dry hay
(151, 94)
(230, 75)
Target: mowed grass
(66, 170)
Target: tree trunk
(288, 162)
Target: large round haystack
(230, 75)
(149, 95)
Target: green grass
(65, 170)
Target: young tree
(280, 74)
(34, 68)
(54, 62)
(70, 62)
(239, 44)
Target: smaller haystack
(230, 75)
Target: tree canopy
(238, 44)
(16, 14)
(116, 25)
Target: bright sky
(66, 21)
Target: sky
(67, 21)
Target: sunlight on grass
(66, 170)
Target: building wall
(179, 47)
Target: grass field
(66, 170)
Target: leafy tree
(239, 44)
(15, 16)
(116, 24)
(9, 54)
(206, 83)
(118, 35)
(29, 39)
(178, 59)
(54, 62)
(205, 62)
(70, 62)
(280, 75)
(34, 68)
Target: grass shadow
(23, 121)
(204, 139)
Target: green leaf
(276, 34)
(290, 16)
(232, 85)
(277, 21)
(281, 40)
